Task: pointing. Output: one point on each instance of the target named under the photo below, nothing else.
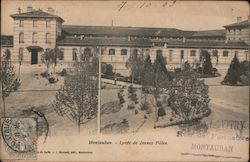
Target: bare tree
(8, 79)
(49, 57)
(20, 60)
(135, 64)
(77, 98)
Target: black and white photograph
(143, 80)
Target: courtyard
(228, 103)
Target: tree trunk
(54, 69)
(19, 70)
(79, 126)
(133, 77)
(3, 101)
(4, 110)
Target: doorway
(34, 57)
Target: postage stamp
(19, 136)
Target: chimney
(50, 10)
(29, 9)
(19, 10)
(239, 19)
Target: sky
(186, 15)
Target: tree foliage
(107, 69)
(188, 97)
(77, 98)
(50, 57)
(8, 77)
(160, 73)
(135, 64)
(147, 72)
(236, 71)
(206, 64)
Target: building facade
(36, 31)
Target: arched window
(34, 37)
(124, 52)
(111, 51)
(21, 37)
(61, 54)
(74, 54)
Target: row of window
(34, 37)
(34, 24)
(124, 52)
(88, 52)
(234, 31)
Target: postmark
(20, 134)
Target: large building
(36, 31)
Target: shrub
(130, 107)
(233, 73)
(131, 89)
(44, 74)
(188, 97)
(64, 72)
(215, 70)
(177, 70)
(52, 80)
(144, 106)
(161, 112)
(207, 65)
(244, 79)
(133, 97)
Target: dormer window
(21, 23)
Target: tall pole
(99, 93)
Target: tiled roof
(36, 14)
(139, 32)
(210, 33)
(6, 41)
(139, 42)
(239, 24)
(207, 44)
(124, 31)
(71, 41)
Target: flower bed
(179, 122)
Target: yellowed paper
(124, 80)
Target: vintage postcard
(124, 80)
